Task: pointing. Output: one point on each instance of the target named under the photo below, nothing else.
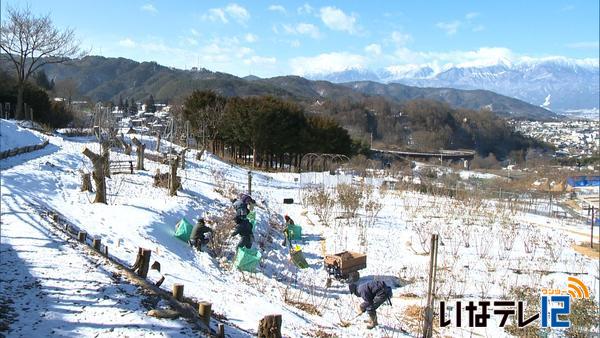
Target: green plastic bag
(184, 230)
(247, 259)
(294, 232)
(298, 258)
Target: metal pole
(592, 229)
(249, 183)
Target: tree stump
(97, 174)
(205, 310)
(86, 182)
(140, 148)
(178, 291)
(270, 327)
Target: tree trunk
(19, 112)
(106, 155)
(270, 327)
(173, 182)
(254, 157)
(98, 175)
(182, 157)
(86, 182)
(140, 147)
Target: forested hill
(107, 79)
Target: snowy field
(487, 247)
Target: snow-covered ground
(483, 242)
(13, 136)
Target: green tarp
(294, 232)
(247, 259)
(183, 230)
(298, 258)
(252, 218)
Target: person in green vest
(286, 233)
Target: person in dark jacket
(244, 229)
(286, 233)
(243, 205)
(200, 234)
(373, 293)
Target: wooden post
(250, 183)
(96, 242)
(144, 263)
(106, 251)
(204, 310)
(178, 291)
(158, 142)
(106, 158)
(221, 331)
(140, 147)
(182, 157)
(428, 322)
(270, 327)
(81, 236)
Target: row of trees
(268, 132)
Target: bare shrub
(483, 242)
(349, 197)
(223, 227)
(584, 318)
(323, 202)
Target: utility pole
(250, 183)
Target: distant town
(572, 138)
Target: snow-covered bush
(349, 198)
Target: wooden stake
(592, 229)
(428, 322)
(145, 263)
(204, 310)
(178, 291)
(96, 243)
(221, 331)
(106, 251)
(82, 236)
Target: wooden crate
(347, 261)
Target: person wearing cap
(374, 293)
(200, 234)
(244, 229)
(286, 233)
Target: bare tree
(30, 42)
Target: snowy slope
(140, 215)
(12, 136)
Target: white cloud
(250, 38)
(584, 45)
(326, 63)
(478, 28)
(231, 11)
(260, 60)
(374, 49)
(194, 32)
(336, 19)
(450, 27)
(303, 29)
(471, 15)
(191, 41)
(127, 42)
(295, 43)
(400, 39)
(277, 8)
(149, 8)
(305, 9)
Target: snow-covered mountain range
(556, 83)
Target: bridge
(441, 154)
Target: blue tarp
(584, 181)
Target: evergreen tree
(150, 108)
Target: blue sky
(269, 38)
